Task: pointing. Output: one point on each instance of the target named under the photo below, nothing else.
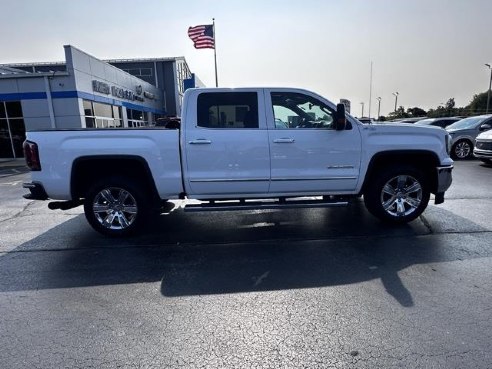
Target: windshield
(466, 123)
(425, 121)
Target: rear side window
(227, 110)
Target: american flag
(202, 36)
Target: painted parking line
(14, 183)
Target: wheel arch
(470, 139)
(424, 160)
(88, 169)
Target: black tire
(461, 150)
(398, 194)
(486, 161)
(117, 206)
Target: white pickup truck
(247, 148)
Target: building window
(145, 71)
(137, 118)
(12, 129)
(182, 73)
(139, 72)
(99, 115)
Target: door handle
(284, 140)
(200, 141)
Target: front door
(307, 154)
(227, 150)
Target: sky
(426, 50)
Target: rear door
(226, 144)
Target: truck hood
(406, 137)
(403, 128)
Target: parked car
(169, 122)
(408, 120)
(366, 120)
(483, 147)
(464, 132)
(437, 122)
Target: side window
(227, 110)
(295, 110)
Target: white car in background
(483, 147)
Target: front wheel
(116, 206)
(463, 149)
(397, 195)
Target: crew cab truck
(245, 148)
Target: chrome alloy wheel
(462, 149)
(115, 208)
(401, 195)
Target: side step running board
(259, 205)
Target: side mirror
(340, 119)
(485, 127)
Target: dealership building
(85, 92)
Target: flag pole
(215, 54)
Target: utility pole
(490, 83)
(362, 104)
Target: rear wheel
(397, 194)
(117, 206)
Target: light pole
(490, 83)
(362, 104)
(379, 105)
(396, 98)
(370, 93)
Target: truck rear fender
(88, 169)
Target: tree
(478, 105)
(450, 104)
(433, 113)
(416, 112)
(447, 110)
(398, 114)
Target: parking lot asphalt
(314, 288)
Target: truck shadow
(196, 254)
